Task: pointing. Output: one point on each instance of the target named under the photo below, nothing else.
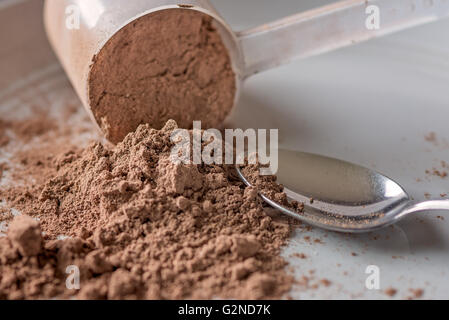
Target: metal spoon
(342, 196)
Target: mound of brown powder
(141, 226)
(171, 64)
(25, 235)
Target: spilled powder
(4, 139)
(391, 292)
(140, 226)
(267, 185)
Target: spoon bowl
(341, 196)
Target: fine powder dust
(171, 64)
(137, 225)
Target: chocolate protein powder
(136, 225)
(171, 64)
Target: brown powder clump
(171, 64)
(391, 292)
(25, 235)
(3, 168)
(4, 139)
(415, 294)
(268, 186)
(142, 227)
(25, 130)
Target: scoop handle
(331, 27)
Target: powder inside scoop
(171, 64)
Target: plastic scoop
(255, 50)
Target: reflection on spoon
(346, 197)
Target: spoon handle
(425, 206)
(331, 27)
